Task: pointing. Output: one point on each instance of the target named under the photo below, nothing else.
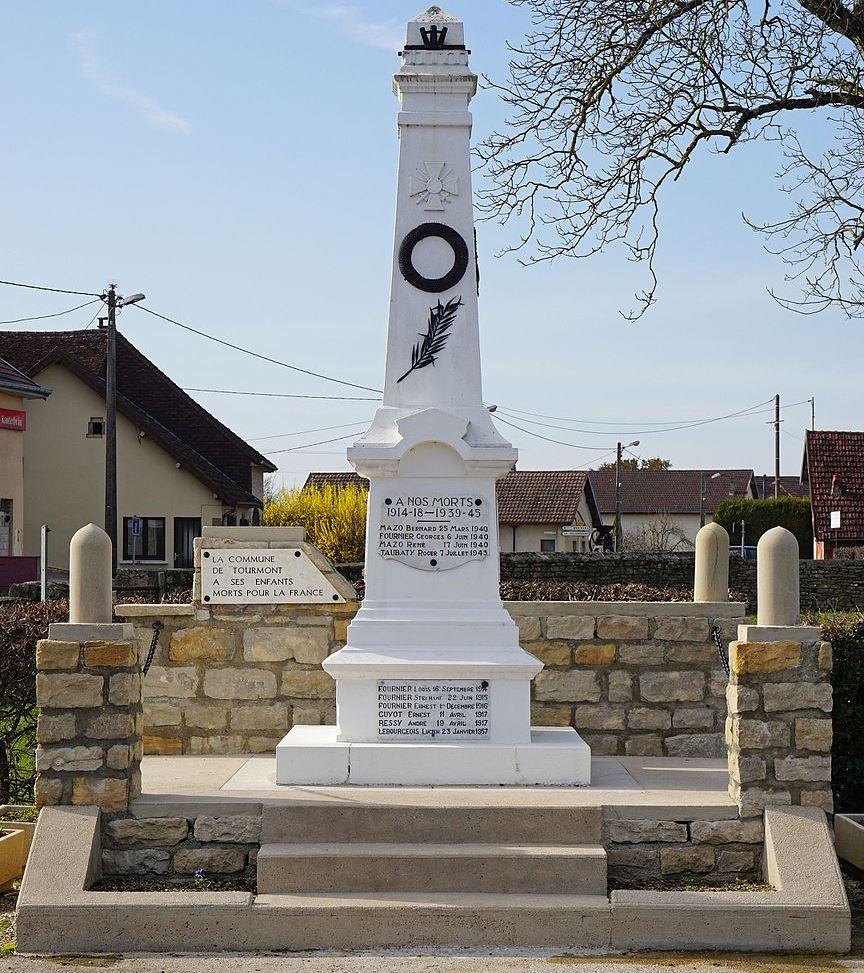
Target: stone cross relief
(433, 185)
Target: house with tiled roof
(663, 509)
(789, 486)
(833, 467)
(17, 392)
(178, 467)
(538, 510)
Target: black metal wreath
(433, 285)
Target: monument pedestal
(555, 756)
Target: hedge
(793, 513)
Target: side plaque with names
(433, 709)
(246, 576)
(434, 532)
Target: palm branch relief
(441, 320)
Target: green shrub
(22, 624)
(793, 513)
(845, 632)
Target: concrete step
(431, 920)
(426, 867)
(441, 822)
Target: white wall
(64, 473)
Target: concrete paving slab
(660, 787)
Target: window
(96, 427)
(547, 545)
(149, 544)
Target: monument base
(556, 756)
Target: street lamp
(113, 301)
(619, 540)
(702, 495)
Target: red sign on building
(12, 419)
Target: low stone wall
(779, 728)
(180, 846)
(90, 723)
(644, 850)
(825, 585)
(633, 678)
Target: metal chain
(721, 650)
(157, 630)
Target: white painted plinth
(312, 755)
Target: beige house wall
(527, 537)
(654, 523)
(64, 472)
(12, 479)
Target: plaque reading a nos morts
(433, 708)
(247, 577)
(434, 532)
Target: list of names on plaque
(434, 532)
(437, 709)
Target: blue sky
(236, 162)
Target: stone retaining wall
(633, 678)
(825, 585)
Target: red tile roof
(147, 397)
(841, 454)
(790, 486)
(669, 491)
(524, 496)
(16, 382)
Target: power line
(645, 432)
(301, 432)
(537, 435)
(289, 395)
(57, 314)
(255, 354)
(54, 290)
(322, 442)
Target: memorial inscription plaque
(434, 532)
(435, 708)
(251, 576)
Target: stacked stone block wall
(90, 723)
(634, 679)
(218, 843)
(825, 585)
(779, 728)
(645, 850)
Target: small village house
(663, 509)
(178, 467)
(833, 467)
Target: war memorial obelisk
(432, 686)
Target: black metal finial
(434, 37)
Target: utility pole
(113, 302)
(813, 412)
(618, 539)
(777, 446)
(111, 425)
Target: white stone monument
(432, 687)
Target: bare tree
(660, 534)
(611, 101)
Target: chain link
(154, 642)
(722, 651)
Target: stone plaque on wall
(248, 576)
(434, 532)
(433, 708)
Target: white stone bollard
(711, 579)
(90, 576)
(778, 598)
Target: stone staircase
(447, 875)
